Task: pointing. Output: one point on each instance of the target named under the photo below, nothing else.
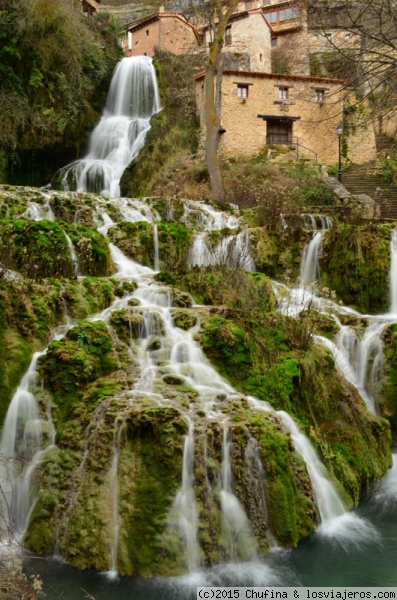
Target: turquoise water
(364, 556)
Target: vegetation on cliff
(55, 68)
(120, 443)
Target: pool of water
(359, 549)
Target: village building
(164, 31)
(262, 109)
(273, 89)
(248, 36)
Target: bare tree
(360, 44)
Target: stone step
(366, 179)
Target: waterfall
(327, 498)
(119, 136)
(114, 491)
(257, 480)
(393, 272)
(184, 516)
(156, 248)
(73, 256)
(238, 540)
(25, 439)
(233, 251)
(310, 269)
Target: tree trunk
(213, 126)
(213, 80)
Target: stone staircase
(366, 179)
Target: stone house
(260, 109)
(164, 30)
(247, 34)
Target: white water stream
(119, 136)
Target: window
(272, 17)
(147, 31)
(242, 90)
(274, 42)
(283, 93)
(228, 35)
(248, 5)
(320, 96)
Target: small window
(242, 90)
(274, 42)
(320, 96)
(283, 93)
(248, 5)
(147, 31)
(273, 17)
(228, 35)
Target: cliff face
(55, 69)
(172, 449)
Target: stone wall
(166, 32)
(249, 34)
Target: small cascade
(326, 223)
(127, 267)
(238, 539)
(257, 482)
(114, 491)
(156, 248)
(119, 136)
(233, 251)
(310, 269)
(393, 272)
(107, 221)
(204, 216)
(47, 207)
(327, 498)
(73, 256)
(34, 212)
(24, 441)
(284, 223)
(133, 210)
(184, 517)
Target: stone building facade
(260, 109)
(165, 31)
(248, 33)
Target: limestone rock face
(164, 392)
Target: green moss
(15, 356)
(82, 356)
(355, 262)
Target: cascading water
(184, 517)
(24, 441)
(393, 272)
(119, 136)
(310, 268)
(114, 491)
(233, 251)
(329, 503)
(238, 539)
(156, 248)
(73, 256)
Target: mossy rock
(355, 263)
(128, 323)
(183, 319)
